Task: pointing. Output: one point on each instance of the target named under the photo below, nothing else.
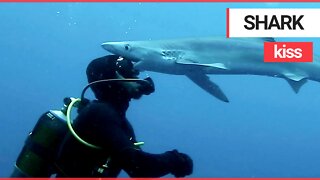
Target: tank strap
(59, 171)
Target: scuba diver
(100, 142)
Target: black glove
(147, 86)
(181, 164)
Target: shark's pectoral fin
(295, 81)
(216, 65)
(193, 63)
(204, 82)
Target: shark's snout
(108, 46)
(121, 49)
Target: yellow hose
(73, 101)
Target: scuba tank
(38, 154)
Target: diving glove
(147, 86)
(181, 164)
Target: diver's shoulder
(100, 106)
(99, 109)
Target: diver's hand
(147, 87)
(181, 164)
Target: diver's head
(116, 69)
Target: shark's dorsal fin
(268, 39)
(295, 81)
(194, 63)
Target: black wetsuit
(105, 125)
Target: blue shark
(198, 57)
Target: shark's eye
(127, 47)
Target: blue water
(265, 131)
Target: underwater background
(265, 131)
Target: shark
(197, 58)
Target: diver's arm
(141, 164)
(116, 140)
(138, 163)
